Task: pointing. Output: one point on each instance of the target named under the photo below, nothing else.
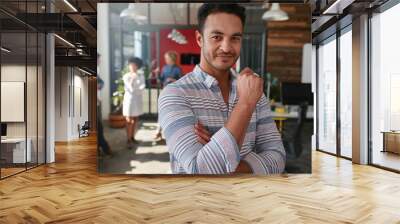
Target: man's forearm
(239, 121)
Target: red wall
(167, 44)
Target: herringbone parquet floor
(71, 191)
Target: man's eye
(216, 37)
(236, 38)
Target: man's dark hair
(210, 8)
(137, 61)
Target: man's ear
(199, 39)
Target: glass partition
(14, 153)
(22, 87)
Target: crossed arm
(221, 154)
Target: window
(346, 93)
(327, 96)
(385, 85)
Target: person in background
(154, 74)
(169, 74)
(132, 108)
(171, 71)
(101, 140)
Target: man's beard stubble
(212, 65)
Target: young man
(217, 122)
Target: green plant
(272, 87)
(118, 95)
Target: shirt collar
(209, 80)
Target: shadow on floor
(148, 157)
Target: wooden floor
(71, 191)
(10, 171)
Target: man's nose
(226, 46)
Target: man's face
(221, 40)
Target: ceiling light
(65, 41)
(132, 12)
(5, 50)
(337, 7)
(84, 71)
(70, 5)
(275, 14)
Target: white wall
(314, 90)
(103, 49)
(306, 68)
(70, 83)
(33, 127)
(12, 73)
(79, 117)
(16, 73)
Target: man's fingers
(202, 135)
(202, 141)
(202, 129)
(246, 71)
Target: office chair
(292, 138)
(84, 130)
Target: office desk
(282, 116)
(292, 114)
(13, 150)
(391, 141)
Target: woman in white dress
(132, 108)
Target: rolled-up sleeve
(269, 156)
(219, 156)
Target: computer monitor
(297, 93)
(3, 129)
(190, 59)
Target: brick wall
(285, 42)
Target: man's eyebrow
(221, 33)
(216, 32)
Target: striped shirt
(197, 97)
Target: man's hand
(249, 87)
(243, 167)
(203, 136)
(170, 80)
